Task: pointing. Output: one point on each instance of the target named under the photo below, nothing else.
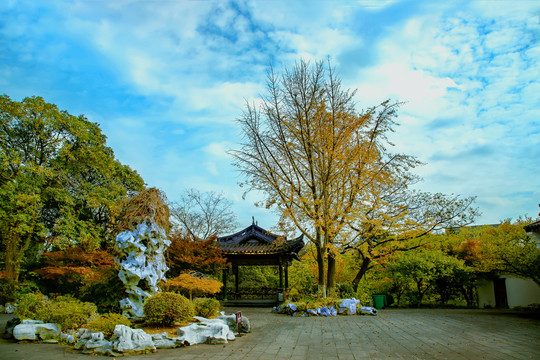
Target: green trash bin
(379, 301)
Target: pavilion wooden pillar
(225, 273)
(256, 246)
(280, 276)
(235, 271)
(286, 275)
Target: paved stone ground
(392, 334)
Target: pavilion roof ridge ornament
(252, 230)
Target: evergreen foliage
(60, 185)
(106, 291)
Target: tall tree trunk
(360, 274)
(322, 277)
(320, 263)
(468, 293)
(12, 262)
(331, 274)
(16, 246)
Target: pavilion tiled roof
(535, 226)
(256, 240)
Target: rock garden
(150, 318)
(75, 323)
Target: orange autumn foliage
(187, 284)
(470, 251)
(185, 254)
(149, 205)
(75, 265)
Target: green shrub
(166, 308)
(345, 290)
(106, 323)
(331, 301)
(294, 294)
(65, 311)
(35, 306)
(7, 291)
(26, 287)
(364, 295)
(301, 306)
(71, 313)
(206, 307)
(106, 292)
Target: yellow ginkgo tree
(318, 159)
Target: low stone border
(128, 341)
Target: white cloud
(218, 149)
(177, 75)
(470, 83)
(226, 97)
(212, 168)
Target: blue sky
(166, 81)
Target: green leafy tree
(503, 249)
(257, 278)
(303, 275)
(424, 269)
(395, 219)
(60, 185)
(467, 247)
(458, 282)
(509, 249)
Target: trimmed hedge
(206, 307)
(166, 308)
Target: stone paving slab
(392, 334)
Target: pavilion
(256, 246)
